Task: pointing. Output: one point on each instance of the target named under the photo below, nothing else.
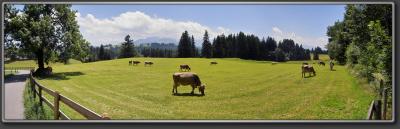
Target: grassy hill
(236, 89)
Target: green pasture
(236, 89)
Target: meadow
(236, 89)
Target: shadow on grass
(309, 76)
(62, 75)
(188, 94)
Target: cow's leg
(174, 88)
(192, 90)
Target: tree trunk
(40, 58)
(41, 70)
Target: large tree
(50, 32)
(127, 48)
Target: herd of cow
(306, 68)
(185, 77)
(135, 62)
(182, 78)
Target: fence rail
(16, 69)
(38, 89)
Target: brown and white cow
(184, 67)
(307, 69)
(187, 78)
(148, 63)
(213, 63)
(331, 64)
(135, 62)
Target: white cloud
(140, 25)
(276, 30)
(279, 35)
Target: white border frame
(204, 121)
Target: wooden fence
(38, 89)
(378, 108)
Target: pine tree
(184, 46)
(206, 48)
(101, 53)
(127, 48)
(193, 47)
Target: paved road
(14, 101)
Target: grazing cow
(187, 78)
(307, 69)
(148, 63)
(184, 67)
(135, 62)
(274, 63)
(321, 63)
(130, 62)
(331, 65)
(213, 63)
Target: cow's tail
(197, 80)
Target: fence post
(56, 105)
(378, 110)
(105, 116)
(33, 87)
(40, 96)
(384, 104)
(380, 89)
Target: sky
(305, 24)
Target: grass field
(236, 89)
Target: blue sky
(306, 24)
(307, 19)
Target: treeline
(243, 46)
(363, 40)
(109, 52)
(162, 50)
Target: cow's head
(202, 88)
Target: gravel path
(14, 101)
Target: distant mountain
(305, 46)
(169, 46)
(155, 40)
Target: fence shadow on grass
(62, 75)
(188, 94)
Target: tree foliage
(127, 48)
(186, 46)
(206, 50)
(363, 40)
(50, 32)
